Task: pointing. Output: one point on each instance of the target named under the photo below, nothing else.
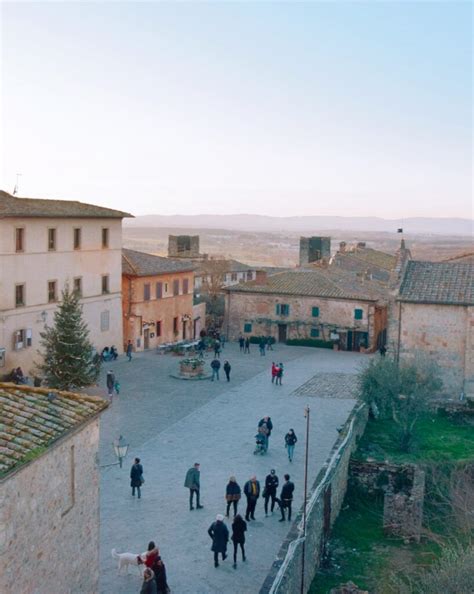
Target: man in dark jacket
(215, 366)
(110, 381)
(271, 485)
(136, 478)
(227, 369)
(252, 492)
(286, 498)
(192, 482)
(219, 534)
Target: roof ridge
(128, 260)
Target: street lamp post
(303, 549)
(120, 450)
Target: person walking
(266, 426)
(286, 498)
(279, 374)
(274, 372)
(290, 441)
(227, 368)
(232, 495)
(382, 350)
(241, 343)
(270, 340)
(219, 534)
(223, 339)
(193, 483)
(215, 366)
(129, 350)
(270, 490)
(239, 527)
(217, 349)
(252, 492)
(110, 381)
(149, 582)
(136, 478)
(262, 345)
(247, 345)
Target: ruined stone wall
(324, 503)
(49, 520)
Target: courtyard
(170, 424)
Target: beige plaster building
(49, 491)
(434, 317)
(45, 244)
(157, 298)
(324, 304)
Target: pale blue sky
(361, 108)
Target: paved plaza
(170, 424)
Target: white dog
(127, 559)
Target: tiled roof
(12, 206)
(378, 264)
(323, 282)
(142, 264)
(30, 422)
(438, 282)
(222, 266)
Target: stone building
(217, 273)
(314, 249)
(434, 317)
(45, 244)
(49, 491)
(183, 246)
(324, 304)
(157, 299)
(365, 261)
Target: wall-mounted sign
(334, 336)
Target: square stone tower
(183, 246)
(313, 249)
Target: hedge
(311, 342)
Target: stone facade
(49, 519)
(183, 246)
(256, 314)
(443, 334)
(35, 266)
(314, 249)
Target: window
(104, 321)
(159, 290)
(77, 238)
(247, 328)
(19, 239)
(158, 329)
(19, 295)
(22, 339)
(166, 287)
(282, 309)
(51, 240)
(315, 312)
(105, 237)
(175, 325)
(146, 292)
(249, 275)
(358, 314)
(78, 286)
(176, 287)
(233, 276)
(185, 286)
(52, 293)
(105, 284)
(314, 332)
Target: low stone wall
(324, 503)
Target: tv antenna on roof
(15, 189)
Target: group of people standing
(277, 373)
(154, 574)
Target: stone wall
(324, 503)
(49, 520)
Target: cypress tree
(68, 357)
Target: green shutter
(247, 328)
(277, 309)
(358, 314)
(314, 332)
(315, 312)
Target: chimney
(260, 277)
(342, 246)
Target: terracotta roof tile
(142, 264)
(29, 421)
(12, 206)
(447, 283)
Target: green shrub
(311, 342)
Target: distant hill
(310, 224)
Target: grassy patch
(437, 438)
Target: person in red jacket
(275, 370)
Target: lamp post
(303, 549)
(120, 450)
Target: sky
(298, 108)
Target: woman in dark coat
(220, 535)
(232, 494)
(239, 527)
(136, 477)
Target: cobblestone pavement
(170, 424)
(329, 385)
